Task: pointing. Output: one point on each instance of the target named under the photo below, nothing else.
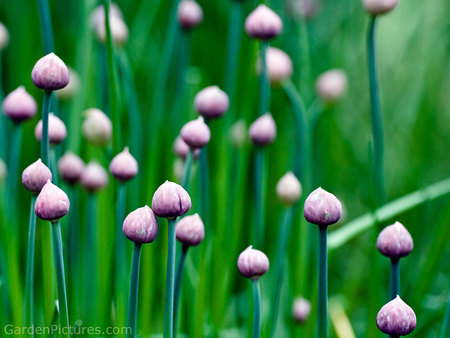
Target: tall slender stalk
(46, 26)
(120, 258)
(322, 314)
(170, 282)
(264, 86)
(134, 290)
(260, 181)
(395, 277)
(187, 170)
(91, 284)
(72, 240)
(178, 280)
(256, 333)
(29, 278)
(13, 168)
(205, 188)
(45, 143)
(53, 165)
(445, 328)
(59, 262)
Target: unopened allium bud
(322, 208)
(190, 230)
(331, 85)
(35, 176)
(57, 131)
(3, 171)
(97, 127)
(211, 102)
(124, 166)
(189, 14)
(141, 226)
(119, 31)
(301, 309)
(395, 241)
(289, 189)
(305, 9)
(253, 263)
(70, 167)
(196, 133)
(182, 149)
(94, 177)
(19, 105)
(263, 130)
(98, 14)
(279, 65)
(170, 200)
(69, 91)
(50, 73)
(52, 203)
(4, 36)
(263, 23)
(375, 7)
(396, 318)
(238, 133)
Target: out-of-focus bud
(263, 130)
(211, 102)
(263, 23)
(4, 36)
(190, 230)
(189, 14)
(289, 189)
(196, 133)
(376, 7)
(35, 176)
(3, 171)
(124, 166)
(97, 127)
(57, 131)
(69, 91)
(94, 177)
(238, 133)
(119, 31)
(301, 309)
(70, 167)
(331, 85)
(279, 65)
(19, 105)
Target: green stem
(53, 165)
(45, 143)
(46, 26)
(3, 136)
(445, 332)
(178, 280)
(322, 317)
(92, 271)
(13, 169)
(395, 278)
(120, 255)
(187, 170)
(264, 85)
(134, 290)
(205, 188)
(256, 309)
(72, 241)
(260, 179)
(170, 286)
(377, 124)
(59, 262)
(29, 279)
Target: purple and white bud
(70, 167)
(124, 166)
(331, 85)
(301, 309)
(376, 7)
(119, 31)
(97, 127)
(4, 36)
(263, 130)
(141, 226)
(35, 176)
(170, 200)
(395, 241)
(94, 177)
(253, 263)
(289, 189)
(211, 102)
(50, 73)
(57, 131)
(19, 105)
(98, 14)
(279, 65)
(263, 23)
(322, 208)
(182, 149)
(189, 14)
(196, 133)
(396, 318)
(190, 230)
(52, 203)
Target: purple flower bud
(279, 65)
(52, 203)
(50, 73)
(253, 263)
(19, 105)
(190, 230)
(98, 14)
(375, 7)
(331, 85)
(141, 226)
(182, 149)
(189, 14)
(289, 189)
(4, 36)
(124, 166)
(301, 309)
(70, 167)
(35, 176)
(196, 133)
(394, 241)
(263, 130)
(303, 9)
(396, 318)
(119, 31)
(97, 127)
(263, 23)
(94, 177)
(170, 200)
(322, 208)
(211, 102)
(57, 131)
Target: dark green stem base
(29, 278)
(187, 169)
(170, 282)
(395, 277)
(178, 280)
(322, 317)
(260, 180)
(134, 290)
(45, 143)
(256, 309)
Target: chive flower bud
(124, 166)
(4, 36)
(238, 133)
(263, 130)
(52, 203)
(19, 105)
(35, 176)
(141, 226)
(211, 102)
(190, 230)
(303, 9)
(170, 200)
(57, 131)
(196, 133)
(396, 318)
(98, 14)
(97, 127)
(375, 7)
(279, 65)
(70, 167)
(331, 85)
(289, 189)
(253, 263)
(301, 309)
(72, 88)
(94, 177)
(119, 31)
(182, 149)
(395, 241)
(189, 14)
(263, 23)
(50, 73)
(322, 208)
